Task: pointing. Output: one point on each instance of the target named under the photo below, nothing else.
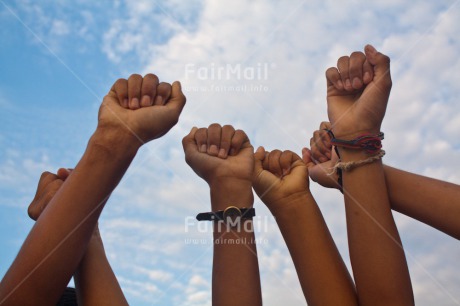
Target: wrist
(231, 192)
(350, 135)
(289, 204)
(114, 142)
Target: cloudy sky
(59, 58)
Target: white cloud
(301, 40)
(143, 224)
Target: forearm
(59, 238)
(322, 273)
(95, 282)
(428, 200)
(376, 252)
(235, 276)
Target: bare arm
(224, 158)
(377, 257)
(95, 282)
(281, 181)
(57, 242)
(428, 200)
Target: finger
(49, 193)
(213, 144)
(225, 140)
(63, 173)
(368, 72)
(201, 138)
(356, 63)
(286, 160)
(259, 156)
(189, 143)
(134, 90)
(333, 78)
(306, 157)
(266, 161)
(148, 89)
(46, 195)
(120, 87)
(334, 158)
(325, 125)
(239, 139)
(320, 139)
(45, 179)
(163, 93)
(326, 142)
(381, 65)
(177, 99)
(274, 163)
(317, 147)
(342, 65)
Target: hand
(357, 93)
(218, 153)
(278, 176)
(321, 158)
(224, 158)
(141, 107)
(48, 186)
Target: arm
(57, 242)
(376, 253)
(224, 158)
(281, 181)
(428, 200)
(95, 282)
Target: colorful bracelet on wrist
(372, 144)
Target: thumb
(381, 64)
(177, 99)
(259, 156)
(189, 143)
(63, 173)
(307, 159)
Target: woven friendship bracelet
(370, 143)
(347, 166)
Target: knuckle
(343, 59)
(135, 76)
(330, 71)
(358, 54)
(228, 127)
(45, 174)
(30, 211)
(119, 82)
(151, 76)
(188, 160)
(214, 126)
(385, 58)
(241, 133)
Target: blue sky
(58, 59)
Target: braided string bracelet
(347, 166)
